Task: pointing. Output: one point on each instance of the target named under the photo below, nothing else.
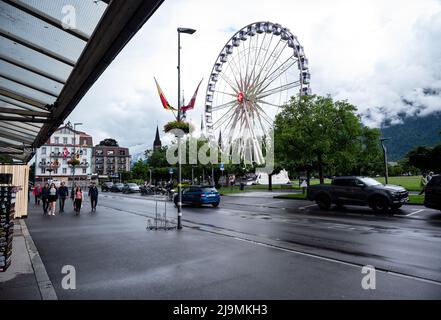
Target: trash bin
(242, 186)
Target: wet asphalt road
(248, 248)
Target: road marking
(351, 264)
(415, 212)
(303, 208)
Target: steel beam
(23, 99)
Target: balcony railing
(49, 165)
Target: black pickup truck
(360, 191)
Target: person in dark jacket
(63, 193)
(93, 194)
(45, 197)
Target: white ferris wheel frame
(251, 83)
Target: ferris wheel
(256, 73)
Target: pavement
(248, 248)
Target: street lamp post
(386, 173)
(188, 31)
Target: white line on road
(415, 212)
(397, 274)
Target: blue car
(199, 195)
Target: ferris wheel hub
(240, 97)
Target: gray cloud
(381, 56)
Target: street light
(187, 31)
(385, 159)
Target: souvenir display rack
(7, 210)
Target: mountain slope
(414, 131)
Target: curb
(45, 286)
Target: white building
(51, 162)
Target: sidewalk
(26, 278)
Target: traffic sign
(222, 166)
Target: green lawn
(417, 199)
(411, 183)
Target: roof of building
(48, 65)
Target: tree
(317, 129)
(420, 157)
(140, 170)
(109, 142)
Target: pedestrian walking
(78, 195)
(429, 176)
(63, 193)
(37, 194)
(93, 194)
(53, 195)
(423, 183)
(72, 195)
(45, 197)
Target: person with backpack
(37, 194)
(45, 197)
(423, 183)
(63, 193)
(93, 194)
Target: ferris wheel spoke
(228, 81)
(257, 79)
(263, 114)
(253, 135)
(224, 105)
(225, 120)
(224, 117)
(270, 78)
(285, 87)
(268, 103)
(265, 60)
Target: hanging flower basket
(73, 162)
(177, 125)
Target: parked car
(432, 198)
(106, 186)
(359, 191)
(117, 187)
(131, 188)
(199, 195)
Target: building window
(43, 150)
(72, 170)
(64, 171)
(65, 140)
(55, 171)
(57, 150)
(57, 140)
(43, 170)
(110, 153)
(73, 140)
(122, 153)
(85, 152)
(84, 170)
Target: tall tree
(317, 129)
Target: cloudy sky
(382, 56)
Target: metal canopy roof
(50, 55)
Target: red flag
(190, 106)
(164, 101)
(65, 153)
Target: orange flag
(164, 101)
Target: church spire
(157, 144)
